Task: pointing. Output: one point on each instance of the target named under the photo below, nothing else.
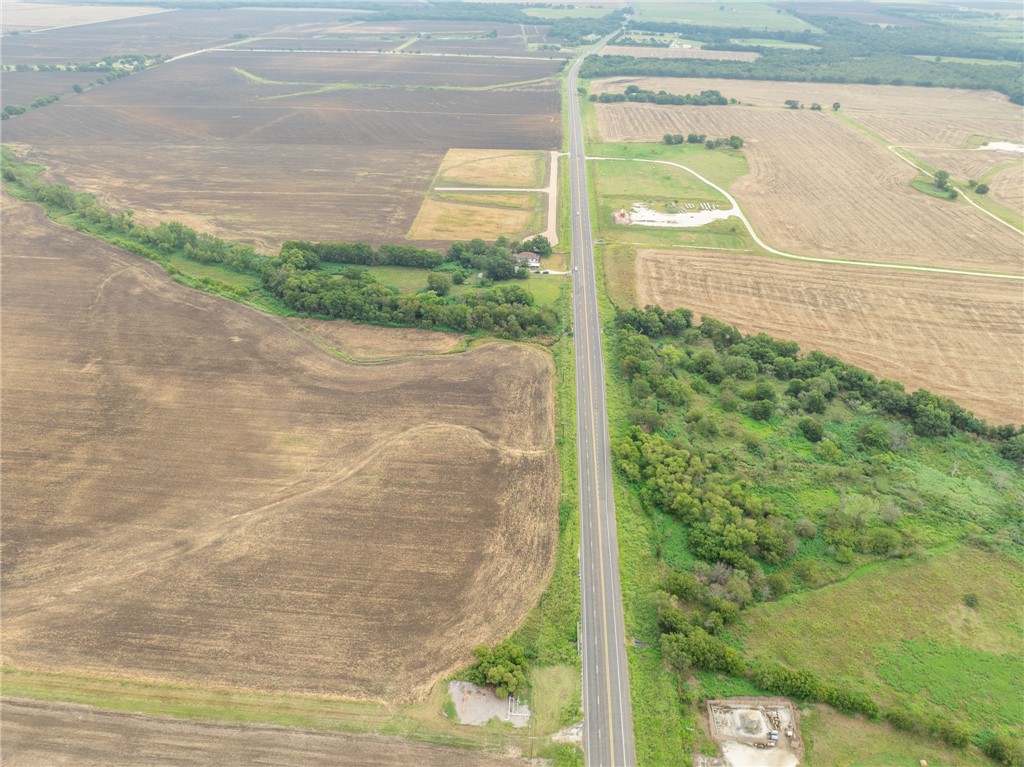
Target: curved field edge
(197, 299)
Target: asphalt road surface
(608, 715)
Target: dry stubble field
(959, 337)
(818, 187)
(195, 141)
(195, 492)
(941, 126)
(45, 734)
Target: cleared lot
(36, 734)
(956, 336)
(818, 187)
(194, 492)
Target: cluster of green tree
(813, 66)
(720, 38)
(495, 259)
(355, 294)
(293, 277)
(733, 142)
(575, 30)
(978, 188)
(502, 667)
(635, 93)
(132, 62)
(12, 110)
(746, 548)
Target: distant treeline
(849, 52)
(294, 278)
(635, 93)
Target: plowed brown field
(956, 336)
(263, 162)
(195, 492)
(38, 734)
(818, 187)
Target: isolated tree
(942, 179)
(981, 189)
(77, 88)
(815, 107)
(836, 106)
(792, 104)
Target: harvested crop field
(485, 217)
(21, 15)
(196, 141)
(372, 69)
(25, 87)
(171, 32)
(37, 734)
(1008, 187)
(489, 168)
(371, 343)
(195, 492)
(956, 336)
(654, 52)
(938, 118)
(818, 187)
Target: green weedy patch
(977, 685)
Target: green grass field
(902, 632)
(714, 14)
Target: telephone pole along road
(607, 713)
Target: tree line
(294, 277)
(635, 94)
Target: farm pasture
(214, 500)
(654, 52)
(37, 733)
(956, 336)
(196, 141)
(819, 187)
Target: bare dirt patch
(653, 52)
(1008, 187)
(193, 492)
(818, 187)
(491, 168)
(956, 336)
(479, 705)
(63, 733)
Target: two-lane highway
(608, 715)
